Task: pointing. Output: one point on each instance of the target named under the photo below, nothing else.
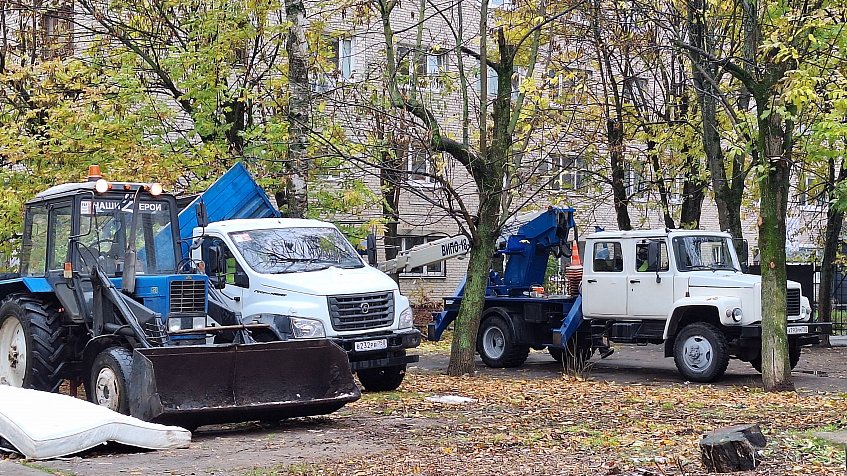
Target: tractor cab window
(694, 253)
(34, 249)
(60, 232)
(105, 229)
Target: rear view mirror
(216, 262)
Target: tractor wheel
(496, 344)
(793, 358)
(32, 343)
(110, 379)
(383, 379)
(700, 352)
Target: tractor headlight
(302, 328)
(407, 320)
(176, 324)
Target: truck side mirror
(370, 249)
(215, 266)
(202, 216)
(654, 252)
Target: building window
(57, 29)
(634, 91)
(566, 172)
(812, 192)
(343, 57)
(339, 66)
(434, 270)
(494, 84)
(638, 181)
(568, 85)
(425, 67)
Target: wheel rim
(493, 342)
(107, 389)
(13, 353)
(697, 353)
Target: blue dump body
(528, 250)
(235, 195)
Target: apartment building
(564, 158)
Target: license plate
(366, 345)
(798, 330)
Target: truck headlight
(805, 313)
(176, 324)
(735, 314)
(302, 328)
(406, 318)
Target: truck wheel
(496, 344)
(793, 358)
(383, 379)
(32, 344)
(110, 379)
(700, 352)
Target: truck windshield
(294, 250)
(105, 226)
(703, 252)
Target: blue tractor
(105, 298)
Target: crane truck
(298, 278)
(104, 297)
(682, 289)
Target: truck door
(604, 283)
(230, 278)
(650, 282)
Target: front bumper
(813, 331)
(394, 354)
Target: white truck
(297, 279)
(303, 279)
(683, 289)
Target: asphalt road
(819, 370)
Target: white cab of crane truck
(685, 289)
(303, 279)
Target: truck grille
(354, 312)
(188, 295)
(793, 302)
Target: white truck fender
(722, 306)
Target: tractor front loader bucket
(192, 386)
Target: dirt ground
(361, 430)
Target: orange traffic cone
(575, 261)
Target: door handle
(634, 281)
(591, 280)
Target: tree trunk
(614, 131)
(728, 191)
(832, 240)
(774, 142)
(466, 326)
(390, 180)
(297, 47)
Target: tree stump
(732, 448)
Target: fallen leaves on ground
(579, 427)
